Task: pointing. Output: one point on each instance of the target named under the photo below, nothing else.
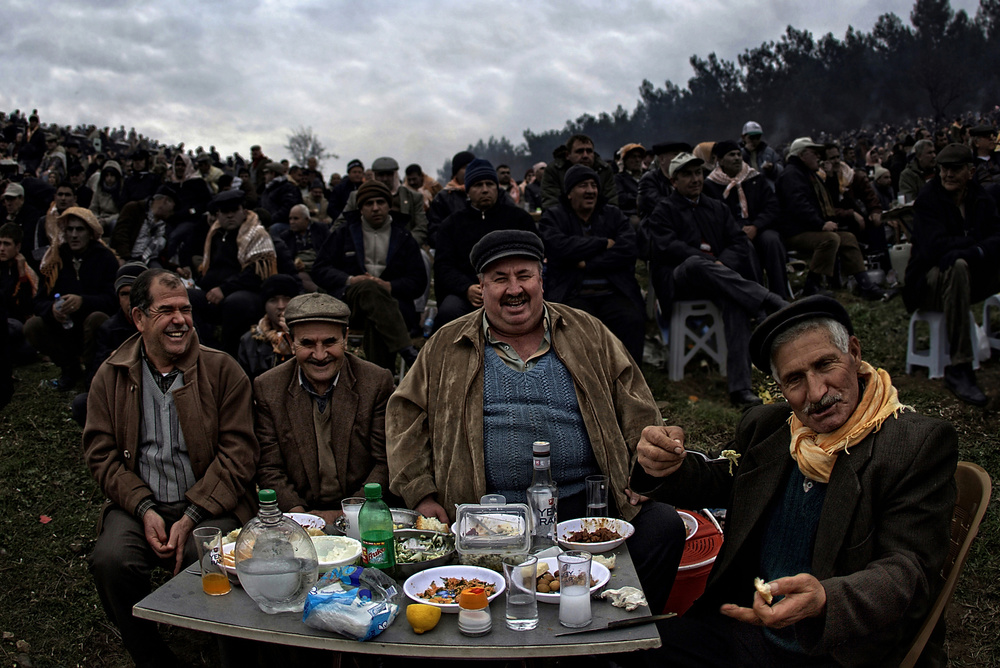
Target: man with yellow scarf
(840, 499)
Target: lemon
(422, 617)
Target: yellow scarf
(817, 453)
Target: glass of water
(522, 608)
(597, 496)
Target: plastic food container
(488, 531)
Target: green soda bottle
(378, 549)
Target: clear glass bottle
(60, 302)
(543, 499)
(378, 549)
(275, 559)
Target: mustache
(514, 299)
(824, 403)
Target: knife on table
(620, 624)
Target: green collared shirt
(506, 351)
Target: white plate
(419, 582)
(318, 541)
(690, 524)
(598, 572)
(569, 527)
(307, 520)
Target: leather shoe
(960, 379)
(744, 399)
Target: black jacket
(568, 241)
(940, 228)
(762, 204)
(94, 282)
(800, 209)
(278, 198)
(453, 272)
(653, 187)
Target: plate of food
(690, 524)
(547, 575)
(417, 550)
(441, 586)
(306, 520)
(331, 551)
(593, 534)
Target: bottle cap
(540, 448)
(373, 490)
(267, 496)
(473, 598)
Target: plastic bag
(356, 602)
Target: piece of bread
(431, 524)
(764, 589)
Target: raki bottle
(543, 498)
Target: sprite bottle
(378, 549)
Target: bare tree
(303, 144)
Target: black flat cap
(796, 312)
(235, 195)
(506, 243)
(316, 307)
(279, 285)
(982, 131)
(955, 154)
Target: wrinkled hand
(661, 450)
(750, 231)
(71, 303)
(830, 226)
(179, 533)
(634, 498)
(428, 507)
(475, 295)
(383, 284)
(156, 533)
(804, 597)
(215, 296)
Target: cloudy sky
(415, 80)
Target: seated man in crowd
(984, 144)
(807, 216)
(839, 500)
(163, 482)
(407, 205)
(533, 191)
(343, 189)
(81, 270)
(18, 289)
(654, 186)
(508, 185)
(591, 252)
(24, 216)
(140, 184)
(752, 202)
(918, 171)
(627, 180)
(320, 417)
(279, 195)
(856, 205)
(710, 257)
(758, 154)
(65, 198)
(303, 238)
(450, 199)
(456, 286)
(140, 234)
(954, 260)
(268, 343)
(374, 264)
(421, 183)
(520, 370)
(238, 256)
(579, 151)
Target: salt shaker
(474, 612)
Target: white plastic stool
(709, 337)
(937, 356)
(991, 336)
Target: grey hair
(921, 146)
(305, 209)
(838, 336)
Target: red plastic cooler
(700, 551)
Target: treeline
(942, 63)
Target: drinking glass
(522, 608)
(574, 589)
(214, 580)
(351, 507)
(597, 496)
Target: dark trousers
(656, 548)
(451, 308)
(378, 313)
(772, 260)
(715, 641)
(826, 247)
(619, 314)
(122, 563)
(63, 346)
(953, 291)
(739, 299)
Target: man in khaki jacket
(518, 370)
(169, 439)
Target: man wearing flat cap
(486, 209)
(591, 251)
(807, 217)
(519, 370)
(268, 343)
(758, 154)
(320, 417)
(710, 257)
(954, 260)
(406, 204)
(373, 263)
(655, 183)
(840, 500)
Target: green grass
(48, 601)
